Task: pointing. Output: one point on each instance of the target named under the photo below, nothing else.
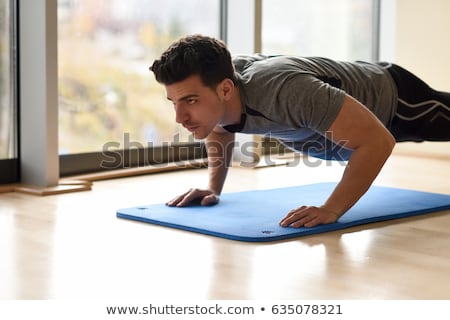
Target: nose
(181, 116)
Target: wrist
(215, 191)
(334, 211)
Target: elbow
(391, 141)
(387, 143)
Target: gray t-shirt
(296, 99)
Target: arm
(371, 143)
(219, 147)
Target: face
(197, 107)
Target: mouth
(192, 128)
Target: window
(338, 29)
(8, 114)
(108, 98)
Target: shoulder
(264, 70)
(243, 61)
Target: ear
(225, 89)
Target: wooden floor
(73, 246)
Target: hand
(308, 216)
(203, 197)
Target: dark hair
(191, 55)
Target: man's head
(198, 75)
(195, 55)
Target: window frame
(10, 167)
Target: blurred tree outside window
(106, 91)
(8, 126)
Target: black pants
(422, 112)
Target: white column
(244, 26)
(38, 85)
(387, 33)
(244, 37)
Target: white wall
(422, 40)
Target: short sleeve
(308, 102)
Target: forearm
(220, 152)
(363, 167)
(358, 129)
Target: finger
(192, 196)
(288, 219)
(293, 217)
(307, 222)
(298, 221)
(179, 199)
(322, 219)
(210, 200)
(312, 223)
(176, 200)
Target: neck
(234, 109)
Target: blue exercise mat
(254, 215)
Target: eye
(191, 101)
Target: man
(328, 109)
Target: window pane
(106, 91)
(338, 29)
(8, 148)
